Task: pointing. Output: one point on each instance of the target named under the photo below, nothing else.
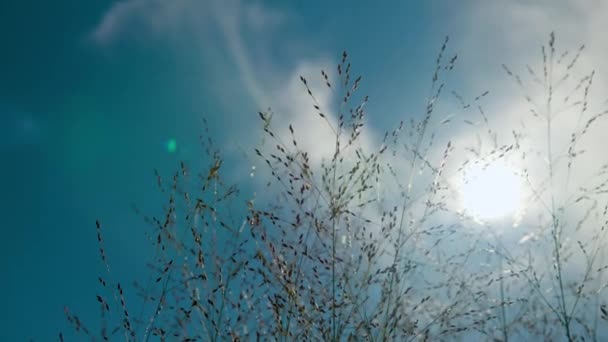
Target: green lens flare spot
(171, 145)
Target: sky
(93, 93)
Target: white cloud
(143, 17)
(231, 25)
(264, 18)
(511, 32)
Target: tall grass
(363, 244)
(560, 99)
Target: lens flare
(171, 145)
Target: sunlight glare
(491, 191)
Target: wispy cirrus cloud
(132, 18)
(209, 24)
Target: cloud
(511, 33)
(229, 21)
(144, 17)
(263, 18)
(497, 32)
(232, 26)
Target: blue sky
(91, 92)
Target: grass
(364, 244)
(560, 98)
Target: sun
(490, 191)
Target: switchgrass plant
(572, 201)
(353, 266)
(558, 263)
(361, 243)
